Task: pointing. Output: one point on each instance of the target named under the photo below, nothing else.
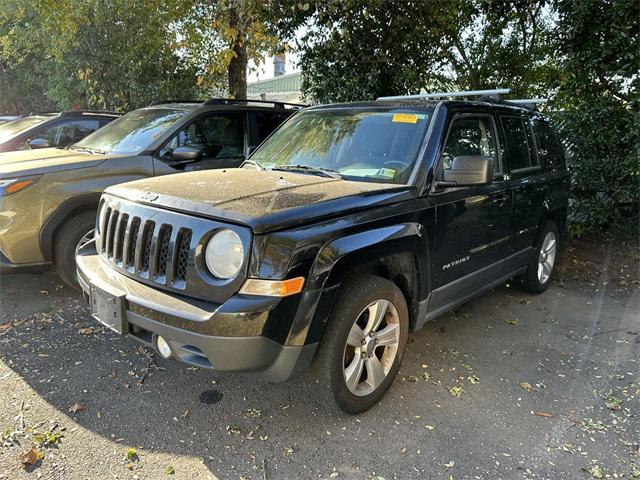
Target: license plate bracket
(107, 309)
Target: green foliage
(359, 49)
(599, 92)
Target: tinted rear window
(550, 150)
(516, 141)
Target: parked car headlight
(224, 255)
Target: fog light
(163, 347)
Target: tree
(599, 95)
(220, 38)
(357, 49)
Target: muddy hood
(263, 200)
(37, 162)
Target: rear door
(472, 223)
(527, 180)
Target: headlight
(14, 185)
(224, 255)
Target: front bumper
(222, 337)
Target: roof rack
(231, 101)
(496, 92)
(528, 103)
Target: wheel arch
(398, 253)
(68, 209)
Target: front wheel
(65, 243)
(364, 343)
(538, 275)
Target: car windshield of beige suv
(373, 145)
(132, 132)
(12, 129)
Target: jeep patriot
(352, 225)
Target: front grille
(164, 248)
(145, 247)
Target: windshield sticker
(386, 172)
(405, 118)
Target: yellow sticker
(405, 118)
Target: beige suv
(49, 197)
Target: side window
(550, 150)
(72, 132)
(267, 123)
(471, 135)
(516, 142)
(65, 134)
(220, 135)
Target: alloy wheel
(372, 347)
(547, 257)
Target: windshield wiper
(323, 172)
(90, 150)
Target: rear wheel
(540, 269)
(364, 343)
(65, 242)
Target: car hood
(36, 162)
(263, 200)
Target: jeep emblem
(148, 196)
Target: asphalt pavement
(509, 386)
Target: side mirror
(467, 171)
(38, 143)
(185, 155)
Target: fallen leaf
(596, 471)
(76, 407)
(429, 427)
(169, 470)
(85, 331)
(456, 391)
(527, 386)
(6, 326)
(31, 456)
(412, 379)
(511, 322)
(288, 450)
(132, 454)
(450, 464)
(473, 379)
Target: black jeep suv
(350, 226)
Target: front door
(472, 223)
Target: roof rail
(461, 93)
(231, 101)
(529, 103)
(74, 113)
(161, 102)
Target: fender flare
(66, 210)
(339, 256)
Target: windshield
(11, 129)
(132, 132)
(376, 145)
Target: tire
(359, 299)
(66, 240)
(540, 269)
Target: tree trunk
(237, 70)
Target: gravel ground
(509, 386)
